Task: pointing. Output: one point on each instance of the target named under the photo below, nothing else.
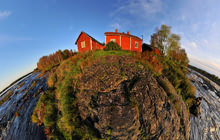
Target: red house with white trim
(126, 41)
(87, 43)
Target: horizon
(30, 30)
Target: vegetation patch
(46, 63)
(112, 46)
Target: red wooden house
(87, 43)
(126, 41)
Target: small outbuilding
(147, 47)
(85, 43)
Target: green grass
(100, 53)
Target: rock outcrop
(121, 100)
(207, 125)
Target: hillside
(111, 94)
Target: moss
(34, 118)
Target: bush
(112, 46)
(48, 62)
(181, 83)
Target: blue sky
(30, 29)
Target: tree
(169, 45)
(160, 38)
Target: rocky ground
(15, 113)
(207, 126)
(125, 102)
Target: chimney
(128, 32)
(116, 30)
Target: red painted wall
(96, 46)
(139, 48)
(125, 41)
(87, 39)
(83, 37)
(108, 38)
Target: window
(136, 44)
(112, 40)
(83, 44)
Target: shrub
(181, 83)
(48, 62)
(112, 46)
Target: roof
(122, 34)
(89, 37)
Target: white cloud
(115, 26)
(193, 44)
(190, 46)
(4, 14)
(138, 7)
(130, 13)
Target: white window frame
(136, 43)
(83, 44)
(113, 40)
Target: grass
(100, 53)
(170, 93)
(179, 80)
